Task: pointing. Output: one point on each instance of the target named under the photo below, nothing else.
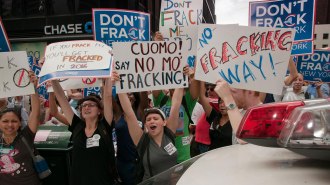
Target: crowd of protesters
(154, 130)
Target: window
(325, 36)
(324, 45)
(314, 46)
(315, 36)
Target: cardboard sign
(145, 66)
(315, 67)
(287, 14)
(78, 83)
(4, 42)
(72, 59)
(178, 20)
(246, 57)
(14, 74)
(176, 17)
(113, 25)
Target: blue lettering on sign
(233, 75)
(121, 26)
(206, 36)
(297, 14)
(315, 67)
(180, 130)
(92, 90)
(88, 27)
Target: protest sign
(4, 42)
(14, 74)
(145, 66)
(113, 25)
(72, 59)
(246, 57)
(298, 14)
(178, 20)
(315, 67)
(92, 90)
(78, 83)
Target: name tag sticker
(170, 149)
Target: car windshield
(172, 175)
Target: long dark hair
(16, 111)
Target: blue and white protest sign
(78, 83)
(297, 14)
(113, 25)
(92, 90)
(145, 66)
(4, 42)
(76, 59)
(14, 74)
(246, 57)
(315, 67)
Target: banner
(14, 74)
(4, 42)
(113, 25)
(73, 59)
(315, 67)
(178, 20)
(145, 66)
(298, 14)
(249, 58)
(78, 83)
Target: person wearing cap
(161, 152)
(92, 156)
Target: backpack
(105, 135)
(139, 169)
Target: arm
(107, 100)
(293, 73)
(194, 84)
(33, 121)
(223, 91)
(54, 111)
(204, 101)
(133, 127)
(61, 98)
(173, 121)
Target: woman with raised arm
(16, 164)
(156, 146)
(93, 156)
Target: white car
(305, 130)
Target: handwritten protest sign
(35, 51)
(178, 20)
(4, 42)
(315, 67)
(298, 14)
(14, 75)
(113, 25)
(78, 83)
(147, 66)
(246, 57)
(72, 59)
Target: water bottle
(41, 166)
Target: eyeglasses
(84, 105)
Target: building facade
(322, 36)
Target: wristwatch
(231, 106)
